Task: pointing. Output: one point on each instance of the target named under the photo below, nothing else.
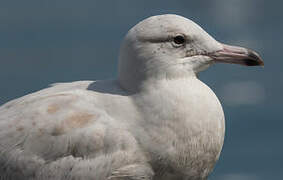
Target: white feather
(157, 120)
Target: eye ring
(179, 39)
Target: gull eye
(179, 39)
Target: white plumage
(155, 121)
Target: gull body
(155, 121)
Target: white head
(171, 46)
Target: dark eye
(179, 39)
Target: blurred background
(42, 42)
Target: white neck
(182, 114)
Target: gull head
(171, 46)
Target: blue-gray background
(43, 42)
